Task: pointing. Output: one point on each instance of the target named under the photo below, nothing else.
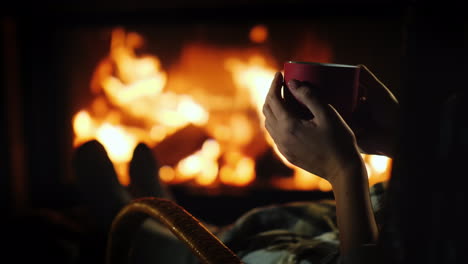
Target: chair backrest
(204, 244)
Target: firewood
(180, 145)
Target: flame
(202, 166)
(239, 170)
(118, 142)
(304, 180)
(379, 163)
(254, 76)
(83, 125)
(378, 168)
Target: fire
(131, 105)
(202, 166)
(239, 170)
(378, 167)
(254, 76)
(118, 142)
(83, 125)
(136, 100)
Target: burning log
(180, 145)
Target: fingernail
(292, 84)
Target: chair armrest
(204, 244)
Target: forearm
(354, 212)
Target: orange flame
(132, 106)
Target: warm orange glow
(238, 169)
(304, 180)
(167, 173)
(189, 167)
(83, 125)
(379, 163)
(241, 132)
(121, 169)
(378, 168)
(202, 166)
(369, 170)
(245, 171)
(158, 133)
(254, 76)
(211, 149)
(192, 112)
(131, 105)
(118, 143)
(208, 174)
(239, 173)
(324, 185)
(258, 34)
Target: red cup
(338, 85)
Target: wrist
(355, 216)
(354, 172)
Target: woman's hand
(324, 145)
(375, 121)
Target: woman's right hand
(324, 145)
(375, 121)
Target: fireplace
(142, 76)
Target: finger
(335, 116)
(274, 98)
(268, 113)
(371, 86)
(310, 98)
(269, 128)
(275, 85)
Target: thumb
(309, 96)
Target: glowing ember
(167, 173)
(83, 125)
(238, 170)
(258, 34)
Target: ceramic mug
(337, 84)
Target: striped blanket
(298, 232)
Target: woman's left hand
(324, 145)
